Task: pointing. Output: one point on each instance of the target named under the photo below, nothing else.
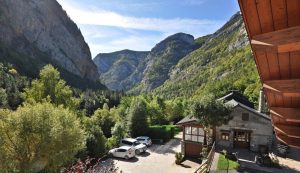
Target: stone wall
(260, 127)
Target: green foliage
(211, 112)
(52, 88)
(118, 131)
(111, 143)
(3, 98)
(204, 152)
(155, 110)
(12, 85)
(91, 100)
(175, 110)
(95, 141)
(105, 120)
(224, 164)
(178, 158)
(105, 106)
(165, 132)
(37, 137)
(137, 118)
(218, 66)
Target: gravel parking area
(158, 159)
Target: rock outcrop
(119, 69)
(41, 30)
(163, 57)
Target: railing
(210, 157)
(205, 166)
(202, 168)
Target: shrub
(204, 152)
(178, 158)
(229, 155)
(161, 132)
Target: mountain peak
(189, 39)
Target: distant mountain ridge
(37, 32)
(118, 69)
(145, 70)
(181, 66)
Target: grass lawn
(222, 163)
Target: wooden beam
(290, 88)
(288, 130)
(284, 40)
(292, 142)
(288, 114)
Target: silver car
(139, 148)
(144, 140)
(125, 152)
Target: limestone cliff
(40, 32)
(119, 69)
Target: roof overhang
(273, 29)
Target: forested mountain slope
(224, 62)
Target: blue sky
(112, 25)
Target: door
(241, 139)
(193, 149)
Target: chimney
(261, 102)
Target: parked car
(125, 152)
(144, 140)
(139, 148)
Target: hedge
(165, 132)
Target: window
(136, 143)
(121, 150)
(225, 136)
(194, 134)
(242, 136)
(245, 117)
(127, 142)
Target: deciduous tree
(211, 112)
(51, 87)
(38, 137)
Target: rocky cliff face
(143, 71)
(163, 57)
(41, 30)
(118, 69)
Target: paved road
(158, 159)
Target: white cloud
(109, 18)
(108, 31)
